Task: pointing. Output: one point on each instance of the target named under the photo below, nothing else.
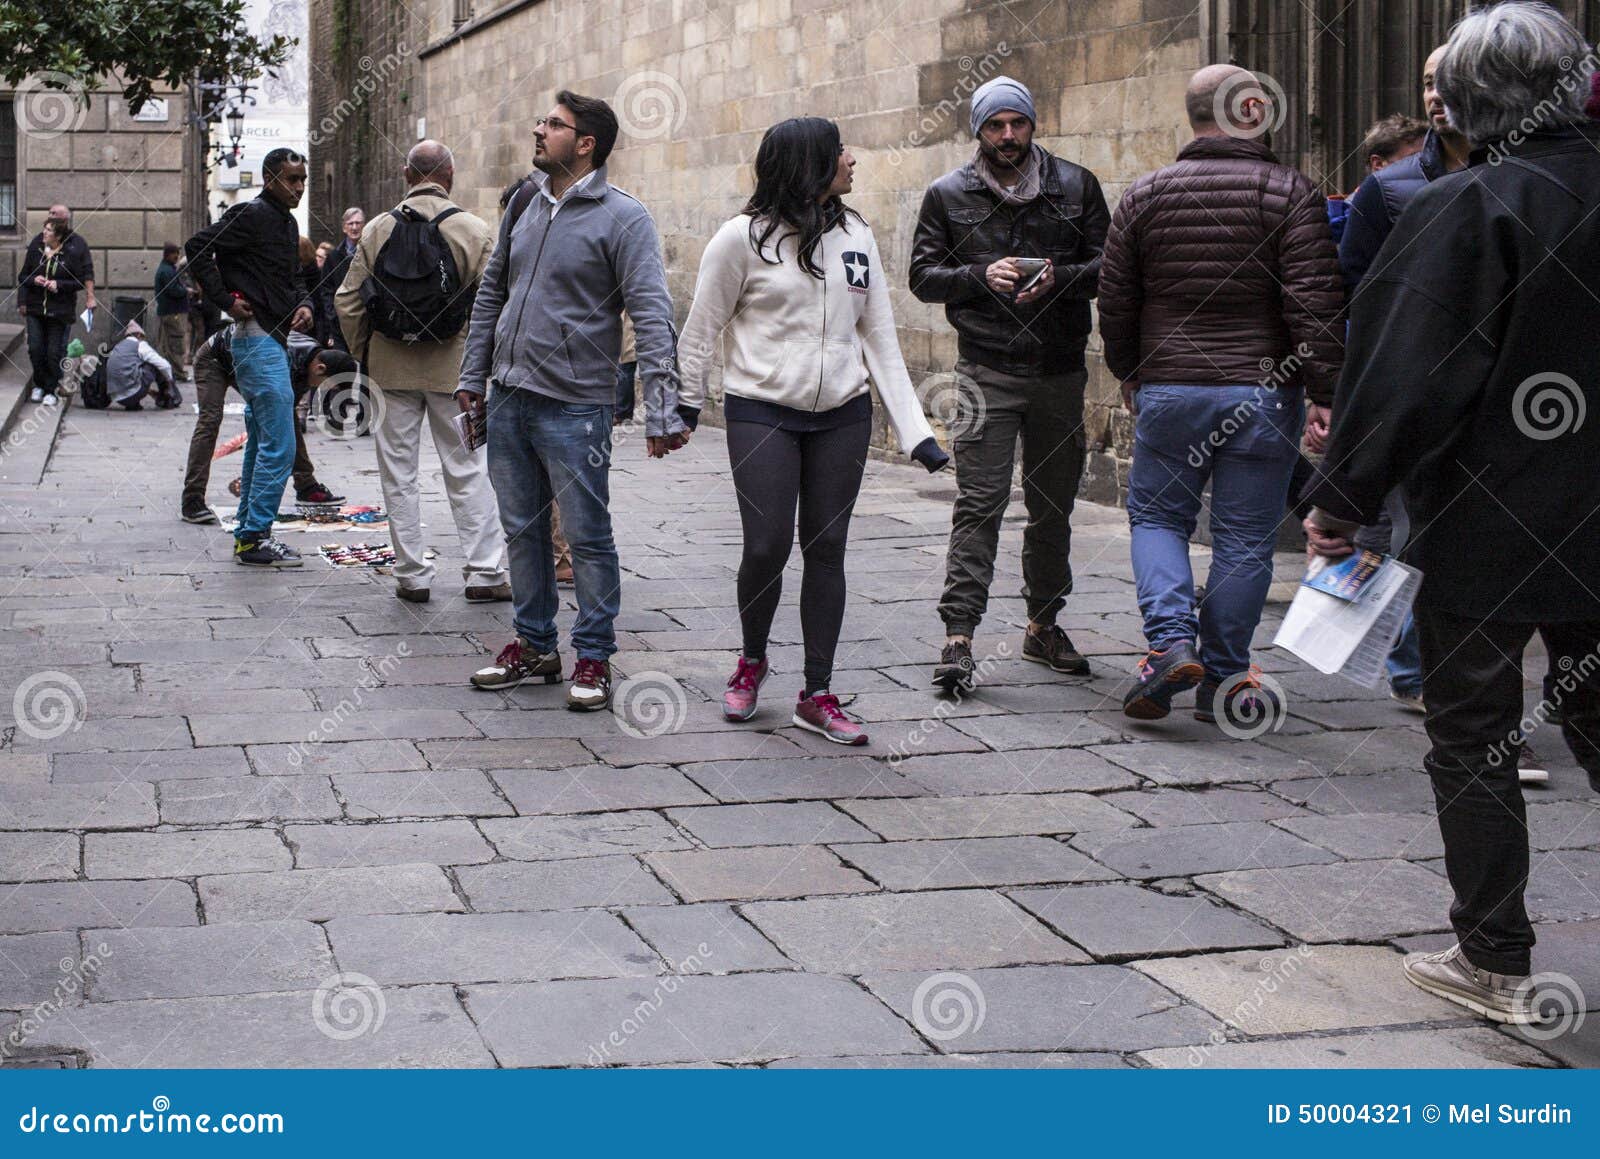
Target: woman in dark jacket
(48, 299)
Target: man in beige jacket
(414, 382)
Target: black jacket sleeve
(1082, 278)
(228, 234)
(936, 273)
(1365, 229)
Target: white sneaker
(51, 400)
(1530, 770)
(35, 395)
(1499, 997)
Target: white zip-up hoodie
(793, 339)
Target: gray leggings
(774, 471)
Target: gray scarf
(1024, 190)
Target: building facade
(695, 82)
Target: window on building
(8, 167)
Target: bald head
(1223, 99)
(430, 161)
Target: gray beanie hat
(998, 95)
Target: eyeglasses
(553, 123)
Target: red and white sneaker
(820, 713)
(739, 702)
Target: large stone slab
(1203, 806)
(735, 1018)
(387, 843)
(1370, 836)
(620, 751)
(582, 835)
(328, 757)
(317, 727)
(1351, 901)
(1472, 1048)
(37, 968)
(1015, 815)
(842, 778)
(223, 799)
(38, 856)
(1400, 791)
(1564, 886)
(705, 939)
(763, 872)
(1188, 849)
(1037, 730)
(187, 853)
(319, 894)
(1268, 992)
(596, 789)
(504, 754)
(960, 929)
(1044, 1008)
(75, 905)
(903, 865)
(158, 765)
(1023, 771)
(188, 962)
(572, 883)
(435, 793)
(120, 805)
(1120, 921)
(1206, 763)
(421, 1026)
(498, 947)
(795, 823)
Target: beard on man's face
(1012, 152)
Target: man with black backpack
(403, 307)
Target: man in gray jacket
(572, 254)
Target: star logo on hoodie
(855, 270)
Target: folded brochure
(1347, 623)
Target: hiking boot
(518, 663)
(265, 552)
(1498, 997)
(1408, 699)
(739, 702)
(197, 513)
(820, 713)
(1161, 676)
(488, 593)
(317, 493)
(955, 671)
(412, 595)
(1051, 646)
(591, 686)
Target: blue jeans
(261, 372)
(1245, 440)
(540, 449)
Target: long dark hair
(795, 165)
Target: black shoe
(317, 494)
(266, 552)
(1053, 648)
(955, 670)
(413, 595)
(1162, 675)
(198, 513)
(1249, 707)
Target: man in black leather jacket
(1020, 336)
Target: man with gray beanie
(1010, 243)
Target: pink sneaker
(739, 702)
(821, 713)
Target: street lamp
(236, 127)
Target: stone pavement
(256, 819)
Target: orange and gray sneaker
(739, 702)
(518, 663)
(820, 713)
(1161, 676)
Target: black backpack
(414, 293)
(92, 392)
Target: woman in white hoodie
(795, 289)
